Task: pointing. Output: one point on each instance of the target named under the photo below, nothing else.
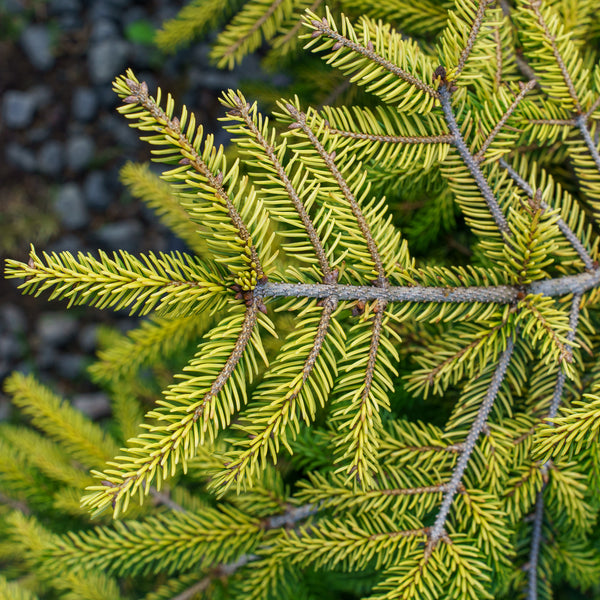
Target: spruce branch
(228, 54)
(564, 228)
(187, 428)
(243, 109)
(536, 542)
(581, 122)
(437, 531)
(375, 62)
(469, 160)
(324, 28)
(535, 6)
(171, 128)
(536, 536)
(501, 294)
(268, 424)
(163, 282)
(475, 27)
(329, 161)
(393, 139)
(507, 113)
(499, 59)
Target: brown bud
(315, 34)
(262, 307)
(130, 100)
(185, 161)
(440, 73)
(109, 484)
(294, 125)
(144, 87)
(337, 46)
(31, 263)
(370, 45)
(131, 84)
(359, 308)
(175, 122)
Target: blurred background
(62, 144)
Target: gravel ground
(63, 144)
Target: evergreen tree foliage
(356, 411)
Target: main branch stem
(438, 530)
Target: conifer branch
(558, 390)
(329, 160)
(145, 468)
(172, 129)
(564, 350)
(536, 536)
(475, 27)
(288, 520)
(223, 570)
(566, 122)
(293, 32)
(437, 531)
(501, 294)
(581, 123)
(363, 422)
(324, 28)
(277, 422)
(243, 108)
(592, 108)
(536, 541)
(499, 60)
(535, 7)
(564, 228)
(230, 51)
(498, 127)
(470, 162)
(393, 139)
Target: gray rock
(51, 158)
(70, 207)
(88, 338)
(12, 318)
(38, 135)
(104, 29)
(18, 109)
(107, 59)
(20, 157)
(13, 7)
(125, 235)
(66, 243)
(133, 14)
(42, 95)
(96, 192)
(37, 45)
(55, 329)
(100, 9)
(63, 6)
(46, 358)
(94, 405)
(124, 135)
(10, 348)
(70, 365)
(84, 104)
(80, 151)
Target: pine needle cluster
(353, 414)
